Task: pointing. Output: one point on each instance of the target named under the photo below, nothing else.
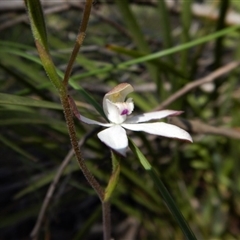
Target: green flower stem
(106, 209)
(114, 177)
(108, 193)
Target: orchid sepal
(145, 117)
(160, 129)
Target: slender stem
(66, 106)
(79, 40)
(88, 175)
(106, 209)
(71, 128)
(74, 141)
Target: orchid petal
(152, 115)
(115, 137)
(161, 129)
(90, 121)
(82, 118)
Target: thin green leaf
(162, 65)
(136, 33)
(179, 48)
(159, 54)
(15, 217)
(16, 148)
(75, 85)
(164, 192)
(42, 181)
(37, 22)
(38, 26)
(26, 101)
(16, 117)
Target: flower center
(117, 112)
(125, 108)
(124, 112)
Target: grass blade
(164, 192)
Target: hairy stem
(106, 209)
(74, 141)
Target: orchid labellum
(118, 112)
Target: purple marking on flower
(124, 112)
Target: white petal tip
(121, 152)
(115, 138)
(186, 138)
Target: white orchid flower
(117, 110)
